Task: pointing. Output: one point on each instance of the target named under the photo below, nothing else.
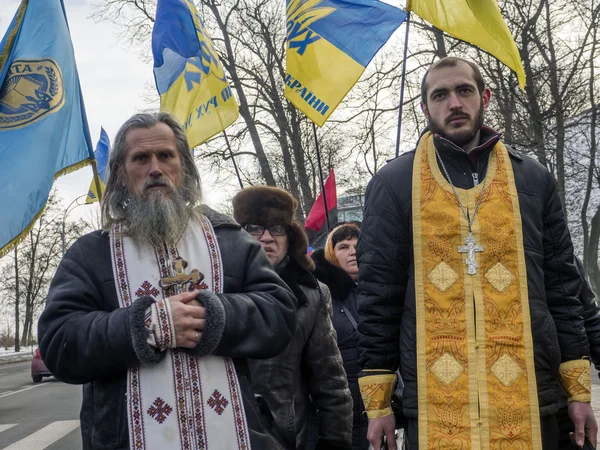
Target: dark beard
(157, 219)
(461, 138)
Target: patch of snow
(11, 351)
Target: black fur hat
(268, 206)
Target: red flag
(316, 217)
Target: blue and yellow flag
(101, 156)
(329, 45)
(478, 22)
(189, 76)
(43, 127)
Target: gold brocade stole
(475, 366)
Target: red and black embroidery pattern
(238, 406)
(217, 402)
(180, 393)
(198, 286)
(160, 410)
(166, 328)
(147, 289)
(215, 255)
(134, 391)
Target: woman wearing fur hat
(311, 366)
(336, 267)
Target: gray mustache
(158, 182)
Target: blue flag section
(43, 127)
(359, 28)
(189, 77)
(329, 45)
(101, 156)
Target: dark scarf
(337, 279)
(295, 277)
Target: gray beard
(157, 220)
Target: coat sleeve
(384, 249)
(79, 340)
(255, 320)
(562, 280)
(322, 362)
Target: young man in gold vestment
(468, 286)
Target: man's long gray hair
(118, 197)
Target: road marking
(6, 394)
(46, 436)
(6, 426)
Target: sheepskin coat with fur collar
(86, 338)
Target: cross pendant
(470, 248)
(181, 280)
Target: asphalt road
(36, 416)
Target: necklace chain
(483, 184)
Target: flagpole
(237, 172)
(403, 82)
(97, 180)
(324, 194)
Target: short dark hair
(451, 61)
(344, 232)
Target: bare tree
(250, 36)
(28, 274)
(591, 231)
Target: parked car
(38, 368)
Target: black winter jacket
(344, 294)
(86, 338)
(385, 258)
(591, 315)
(310, 367)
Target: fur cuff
(376, 392)
(215, 323)
(139, 335)
(575, 378)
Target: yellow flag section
(478, 22)
(93, 196)
(329, 44)
(189, 76)
(101, 157)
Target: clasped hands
(189, 318)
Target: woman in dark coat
(337, 268)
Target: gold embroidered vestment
(475, 367)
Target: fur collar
(217, 219)
(295, 277)
(337, 280)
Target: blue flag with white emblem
(43, 127)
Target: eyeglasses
(274, 230)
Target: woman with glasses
(337, 268)
(310, 369)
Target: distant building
(350, 208)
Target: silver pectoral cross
(470, 248)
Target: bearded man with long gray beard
(157, 313)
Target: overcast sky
(115, 83)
